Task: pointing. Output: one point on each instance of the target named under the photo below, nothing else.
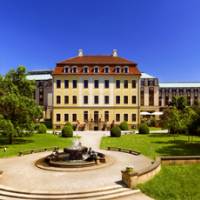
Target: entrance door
(96, 116)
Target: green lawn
(35, 141)
(179, 182)
(153, 145)
(155, 128)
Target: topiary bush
(41, 128)
(67, 131)
(115, 131)
(69, 124)
(123, 126)
(143, 129)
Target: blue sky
(162, 36)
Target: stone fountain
(76, 156)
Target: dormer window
(96, 69)
(66, 69)
(126, 70)
(106, 69)
(85, 69)
(74, 69)
(117, 69)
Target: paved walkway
(21, 173)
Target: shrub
(67, 131)
(143, 129)
(69, 124)
(115, 131)
(123, 126)
(41, 128)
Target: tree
(171, 120)
(179, 102)
(18, 109)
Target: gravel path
(21, 173)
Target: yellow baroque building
(95, 92)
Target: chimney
(114, 53)
(80, 52)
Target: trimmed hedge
(143, 129)
(124, 126)
(67, 131)
(42, 128)
(115, 131)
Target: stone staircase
(106, 193)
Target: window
(133, 83)
(74, 83)
(166, 100)
(151, 96)
(117, 83)
(126, 117)
(85, 83)
(106, 99)
(66, 99)
(133, 117)
(74, 69)
(85, 99)
(125, 83)
(133, 99)
(96, 99)
(66, 82)
(85, 116)
(58, 83)
(58, 99)
(74, 99)
(106, 70)
(142, 96)
(74, 117)
(96, 69)
(66, 117)
(106, 116)
(85, 69)
(66, 69)
(117, 117)
(96, 83)
(106, 83)
(117, 99)
(57, 117)
(125, 99)
(117, 69)
(126, 70)
(160, 100)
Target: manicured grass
(35, 141)
(153, 145)
(179, 182)
(155, 128)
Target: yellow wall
(112, 92)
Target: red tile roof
(101, 61)
(97, 60)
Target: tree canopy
(18, 109)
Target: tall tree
(18, 109)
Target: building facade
(191, 91)
(149, 93)
(43, 91)
(96, 91)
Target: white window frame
(117, 67)
(85, 67)
(107, 67)
(96, 67)
(68, 69)
(74, 71)
(126, 67)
